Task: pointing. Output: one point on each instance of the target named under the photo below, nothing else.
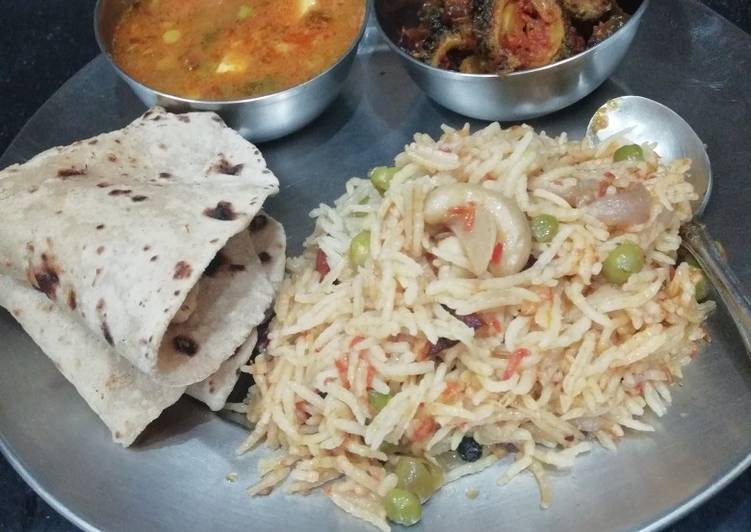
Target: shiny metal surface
(519, 95)
(702, 245)
(174, 479)
(643, 120)
(259, 119)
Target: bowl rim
(633, 20)
(279, 95)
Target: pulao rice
(598, 356)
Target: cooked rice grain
(599, 357)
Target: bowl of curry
(268, 67)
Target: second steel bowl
(258, 119)
(519, 95)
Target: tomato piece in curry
(233, 49)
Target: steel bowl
(260, 118)
(518, 95)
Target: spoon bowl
(646, 121)
(641, 120)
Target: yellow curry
(232, 49)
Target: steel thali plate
(174, 479)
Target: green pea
(378, 400)
(359, 248)
(701, 290)
(630, 152)
(171, 36)
(544, 227)
(625, 259)
(245, 11)
(450, 460)
(418, 476)
(402, 507)
(381, 177)
(436, 473)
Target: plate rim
(691, 503)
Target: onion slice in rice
(584, 192)
(623, 209)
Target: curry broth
(231, 49)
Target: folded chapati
(270, 245)
(118, 230)
(126, 399)
(139, 263)
(123, 397)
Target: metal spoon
(644, 120)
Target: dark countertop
(43, 43)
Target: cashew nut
(510, 227)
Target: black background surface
(42, 44)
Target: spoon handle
(702, 246)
